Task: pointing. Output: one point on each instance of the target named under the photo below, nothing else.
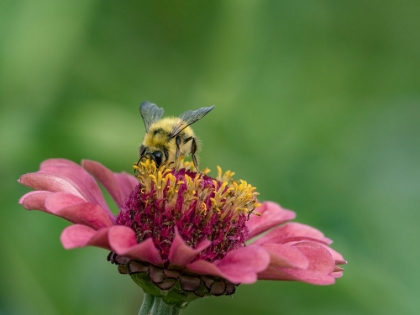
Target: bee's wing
(188, 118)
(150, 113)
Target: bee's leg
(193, 150)
(178, 143)
(137, 164)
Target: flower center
(200, 207)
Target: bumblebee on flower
(180, 234)
(168, 139)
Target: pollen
(198, 206)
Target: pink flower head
(179, 230)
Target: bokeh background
(317, 104)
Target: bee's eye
(157, 157)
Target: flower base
(174, 287)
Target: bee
(169, 138)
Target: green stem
(155, 305)
(147, 304)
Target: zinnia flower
(180, 234)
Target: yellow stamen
(229, 196)
(205, 171)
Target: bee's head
(156, 155)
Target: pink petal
(337, 274)
(276, 273)
(238, 266)
(119, 186)
(286, 256)
(338, 271)
(292, 231)
(144, 251)
(119, 239)
(123, 241)
(181, 254)
(337, 256)
(49, 182)
(76, 175)
(61, 200)
(319, 257)
(75, 210)
(271, 215)
(321, 267)
(111, 238)
(76, 236)
(34, 200)
(126, 182)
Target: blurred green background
(317, 104)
